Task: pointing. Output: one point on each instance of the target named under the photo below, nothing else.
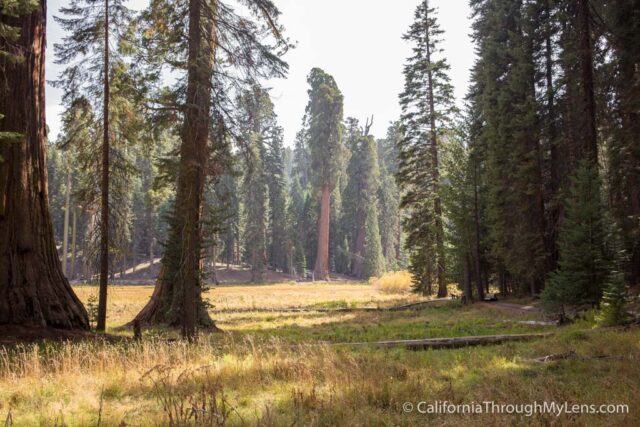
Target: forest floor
(273, 369)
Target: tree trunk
(589, 135)
(552, 135)
(476, 215)
(104, 186)
(65, 233)
(74, 232)
(176, 299)
(466, 280)
(435, 175)
(321, 270)
(33, 289)
(358, 251)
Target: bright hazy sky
(359, 42)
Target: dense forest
(172, 257)
(171, 153)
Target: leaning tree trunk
(177, 299)
(33, 290)
(321, 270)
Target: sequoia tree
(324, 112)
(33, 289)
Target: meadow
(272, 368)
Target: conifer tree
(360, 204)
(255, 206)
(327, 153)
(256, 118)
(33, 290)
(584, 265)
(373, 259)
(216, 50)
(279, 247)
(427, 108)
(86, 51)
(620, 93)
(389, 200)
(506, 99)
(613, 305)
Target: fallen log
(554, 357)
(411, 306)
(457, 342)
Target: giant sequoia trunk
(33, 290)
(177, 299)
(321, 270)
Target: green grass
(451, 320)
(273, 369)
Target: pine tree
(457, 202)
(257, 118)
(613, 305)
(389, 200)
(584, 265)
(327, 153)
(218, 50)
(373, 265)
(255, 206)
(93, 26)
(427, 108)
(279, 247)
(360, 204)
(506, 100)
(620, 93)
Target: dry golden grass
(126, 301)
(275, 369)
(394, 282)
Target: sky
(359, 42)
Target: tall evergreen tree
(256, 118)
(279, 245)
(507, 100)
(327, 153)
(584, 264)
(33, 290)
(221, 50)
(360, 204)
(389, 200)
(86, 51)
(620, 22)
(427, 108)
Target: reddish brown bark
(33, 290)
(321, 270)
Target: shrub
(394, 282)
(613, 304)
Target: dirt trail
(512, 307)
